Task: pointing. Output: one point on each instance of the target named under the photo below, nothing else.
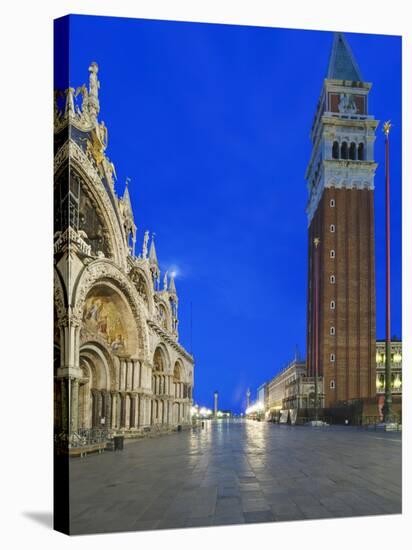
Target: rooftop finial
(94, 85)
(172, 286)
(152, 251)
(145, 243)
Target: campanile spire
(342, 63)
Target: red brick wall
(353, 292)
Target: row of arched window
(347, 151)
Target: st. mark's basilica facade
(118, 362)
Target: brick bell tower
(341, 338)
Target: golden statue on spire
(386, 127)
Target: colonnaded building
(118, 360)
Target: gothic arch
(100, 196)
(144, 286)
(105, 273)
(60, 296)
(99, 362)
(164, 314)
(178, 371)
(161, 356)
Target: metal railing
(82, 438)
(376, 423)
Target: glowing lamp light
(255, 408)
(397, 358)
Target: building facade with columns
(118, 361)
(396, 367)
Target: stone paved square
(235, 472)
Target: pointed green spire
(342, 64)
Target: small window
(332, 279)
(332, 357)
(332, 304)
(335, 150)
(344, 150)
(332, 384)
(332, 253)
(332, 203)
(332, 331)
(332, 228)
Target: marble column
(122, 375)
(64, 405)
(123, 410)
(132, 422)
(129, 375)
(127, 414)
(118, 409)
(108, 409)
(94, 407)
(99, 408)
(74, 405)
(113, 420)
(141, 411)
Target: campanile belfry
(340, 210)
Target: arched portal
(109, 337)
(95, 407)
(160, 387)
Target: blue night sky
(211, 123)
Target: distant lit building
(279, 385)
(396, 367)
(262, 394)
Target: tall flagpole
(316, 242)
(387, 408)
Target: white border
(26, 272)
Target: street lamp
(387, 408)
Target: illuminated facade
(277, 387)
(118, 361)
(396, 367)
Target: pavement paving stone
(237, 472)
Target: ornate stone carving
(110, 218)
(141, 286)
(105, 269)
(347, 104)
(59, 297)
